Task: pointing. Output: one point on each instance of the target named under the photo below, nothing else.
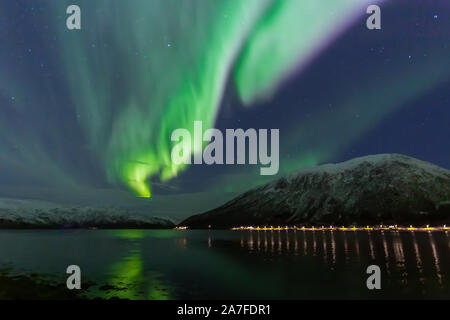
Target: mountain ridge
(35, 214)
(370, 189)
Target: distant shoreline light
(334, 228)
(353, 228)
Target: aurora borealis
(94, 109)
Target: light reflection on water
(390, 249)
(166, 264)
(392, 253)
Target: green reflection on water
(127, 234)
(127, 279)
(126, 276)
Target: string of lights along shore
(336, 228)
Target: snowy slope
(18, 213)
(379, 188)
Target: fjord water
(170, 264)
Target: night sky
(86, 115)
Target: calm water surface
(169, 264)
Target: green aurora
(138, 70)
(177, 57)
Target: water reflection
(333, 247)
(356, 239)
(346, 252)
(386, 252)
(128, 279)
(435, 257)
(371, 248)
(396, 251)
(447, 234)
(417, 252)
(166, 264)
(305, 244)
(314, 243)
(324, 246)
(399, 256)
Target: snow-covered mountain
(18, 213)
(372, 189)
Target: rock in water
(385, 188)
